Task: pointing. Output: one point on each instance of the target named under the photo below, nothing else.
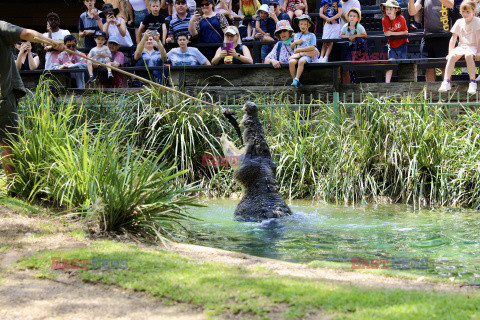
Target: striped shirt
(88, 23)
(178, 25)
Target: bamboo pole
(131, 75)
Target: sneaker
(248, 39)
(110, 75)
(325, 59)
(415, 26)
(445, 87)
(295, 83)
(472, 88)
(91, 79)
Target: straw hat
(357, 11)
(389, 4)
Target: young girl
(467, 30)
(295, 7)
(330, 12)
(394, 24)
(304, 46)
(248, 8)
(354, 32)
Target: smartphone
(271, 8)
(227, 46)
(199, 11)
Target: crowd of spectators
(136, 33)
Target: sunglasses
(205, 4)
(180, 2)
(70, 46)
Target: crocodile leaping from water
(255, 171)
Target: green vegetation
(221, 288)
(133, 162)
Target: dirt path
(24, 296)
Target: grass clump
(92, 166)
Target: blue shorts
(398, 53)
(139, 17)
(308, 59)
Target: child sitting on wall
(304, 46)
(467, 30)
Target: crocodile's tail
(230, 115)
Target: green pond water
(440, 243)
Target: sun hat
(263, 7)
(283, 25)
(108, 7)
(357, 11)
(297, 20)
(100, 33)
(113, 39)
(389, 4)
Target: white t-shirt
(51, 57)
(138, 5)
(467, 35)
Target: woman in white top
(137, 11)
(115, 26)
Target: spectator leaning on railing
(281, 52)
(237, 54)
(68, 61)
(184, 55)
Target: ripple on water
(337, 233)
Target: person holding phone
(115, 26)
(209, 25)
(55, 33)
(232, 48)
(26, 60)
(147, 56)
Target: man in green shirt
(11, 85)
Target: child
(153, 21)
(467, 30)
(353, 31)
(248, 8)
(394, 24)
(330, 11)
(295, 7)
(100, 53)
(265, 28)
(67, 61)
(304, 45)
